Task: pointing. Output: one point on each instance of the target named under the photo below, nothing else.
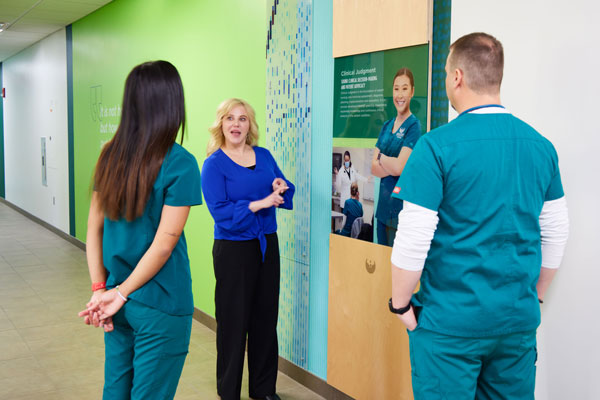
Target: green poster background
(363, 91)
(218, 48)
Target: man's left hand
(409, 319)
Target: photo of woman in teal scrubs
(396, 140)
(144, 185)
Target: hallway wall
(551, 58)
(36, 106)
(218, 48)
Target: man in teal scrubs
(483, 228)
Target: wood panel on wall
(367, 350)
(365, 26)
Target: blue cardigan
(229, 188)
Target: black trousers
(246, 303)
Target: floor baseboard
(71, 239)
(287, 367)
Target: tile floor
(46, 352)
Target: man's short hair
(353, 189)
(481, 58)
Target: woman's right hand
(109, 304)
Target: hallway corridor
(46, 351)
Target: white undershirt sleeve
(416, 226)
(554, 232)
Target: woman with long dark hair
(242, 186)
(144, 185)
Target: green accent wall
(218, 48)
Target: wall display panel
(364, 114)
(366, 26)
(363, 90)
(354, 380)
(288, 136)
(368, 97)
(367, 350)
(219, 54)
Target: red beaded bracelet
(98, 285)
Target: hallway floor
(46, 351)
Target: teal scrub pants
(456, 368)
(145, 353)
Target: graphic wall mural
(288, 132)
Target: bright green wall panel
(218, 48)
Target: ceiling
(32, 20)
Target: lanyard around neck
(478, 107)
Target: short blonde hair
(217, 139)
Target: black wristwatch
(399, 311)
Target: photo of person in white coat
(345, 177)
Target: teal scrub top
(124, 243)
(352, 209)
(390, 143)
(487, 176)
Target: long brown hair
(152, 113)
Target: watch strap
(401, 310)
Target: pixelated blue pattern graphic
(288, 130)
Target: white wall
(551, 81)
(36, 106)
